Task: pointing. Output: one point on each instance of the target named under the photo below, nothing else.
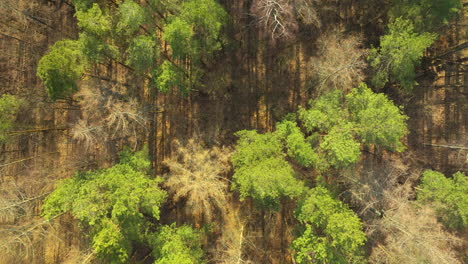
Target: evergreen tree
(261, 171)
(177, 245)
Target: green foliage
(427, 15)
(297, 146)
(336, 127)
(177, 245)
(112, 203)
(340, 124)
(206, 17)
(125, 33)
(377, 120)
(142, 53)
(400, 52)
(95, 49)
(261, 172)
(9, 106)
(179, 35)
(340, 146)
(82, 5)
(449, 197)
(94, 21)
(61, 68)
(131, 17)
(333, 233)
(324, 113)
(169, 76)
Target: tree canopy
(112, 203)
(448, 196)
(132, 33)
(261, 171)
(400, 52)
(332, 232)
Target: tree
(409, 232)
(342, 123)
(340, 63)
(377, 119)
(9, 106)
(61, 68)
(261, 171)
(276, 16)
(196, 174)
(332, 233)
(112, 203)
(281, 18)
(128, 32)
(327, 135)
(448, 197)
(400, 52)
(426, 15)
(177, 245)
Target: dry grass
(198, 175)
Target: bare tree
(398, 229)
(276, 16)
(198, 175)
(340, 63)
(307, 12)
(106, 115)
(413, 235)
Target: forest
(233, 131)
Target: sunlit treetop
(61, 68)
(332, 232)
(144, 36)
(261, 171)
(400, 52)
(448, 196)
(113, 203)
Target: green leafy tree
(324, 112)
(113, 204)
(61, 68)
(261, 171)
(332, 232)
(131, 17)
(399, 54)
(9, 106)
(329, 134)
(377, 120)
(296, 144)
(130, 33)
(142, 53)
(341, 148)
(94, 21)
(449, 197)
(177, 245)
(427, 15)
(341, 124)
